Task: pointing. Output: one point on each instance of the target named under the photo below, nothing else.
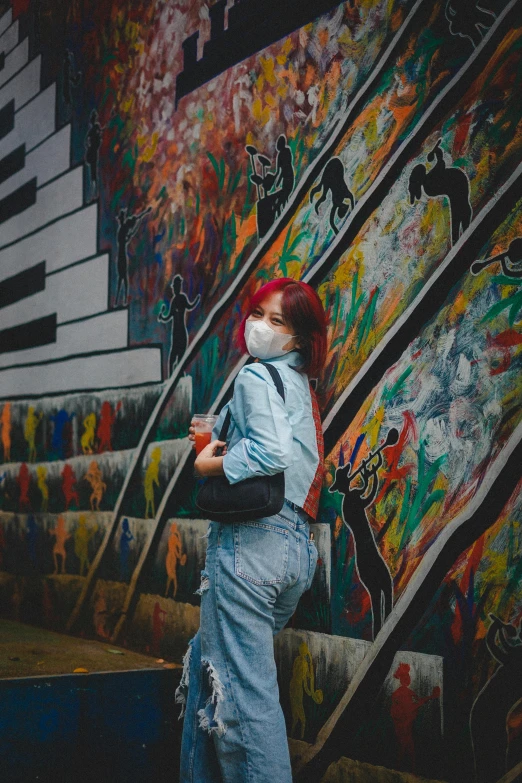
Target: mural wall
(159, 161)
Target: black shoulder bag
(253, 498)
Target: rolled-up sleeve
(267, 446)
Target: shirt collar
(291, 359)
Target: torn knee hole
(205, 583)
(210, 716)
(182, 689)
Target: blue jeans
(255, 573)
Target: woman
(255, 572)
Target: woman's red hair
(304, 313)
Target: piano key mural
(158, 162)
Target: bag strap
(276, 377)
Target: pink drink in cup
(203, 425)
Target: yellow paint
(151, 479)
(82, 536)
(31, 423)
(260, 115)
(302, 682)
(89, 432)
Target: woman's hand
(192, 435)
(207, 464)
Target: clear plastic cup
(203, 425)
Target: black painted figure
(443, 181)
(371, 567)
(332, 180)
(491, 707)
(128, 227)
(70, 78)
(285, 176)
(92, 148)
(510, 261)
(179, 306)
(468, 19)
(271, 202)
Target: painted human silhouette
(371, 567)
(89, 432)
(302, 683)
(159, 617)
(98, 485)
(101, 616)
(127, 229)
(68, 486)
(490, 709)
(510, 261)
(59, 420)
(31, 424)
(41, 480)
(440, 180)
(105, 425)
(61, 536)
(405, 704)
(70, 78)
(5, 424)
(23, 480)
(175, 555)
(271, 202)
(82, 536)
(180, 305)
(125, 539)
(285, 177)
(468, 19)
(151, 479)
(93, 142)
(333, 182)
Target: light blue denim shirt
(267, 435)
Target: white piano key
(33, 123)
(57, 199)
(9, 38)
(14, 61)
(46, 162)
(6, 20)
(62, 243)
(24, 86)
(76, 292)
(114, 369)
(108, 331)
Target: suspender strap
(279, 386)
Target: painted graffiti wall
(161, 160)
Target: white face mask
(263, 342)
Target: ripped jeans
(255, 573)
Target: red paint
(503, 342)
(23, 481)
(394, 473)
(471, 567)
(20, 7)
(104, 431)
(68, 486)
(461, 136)
(404, 707)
